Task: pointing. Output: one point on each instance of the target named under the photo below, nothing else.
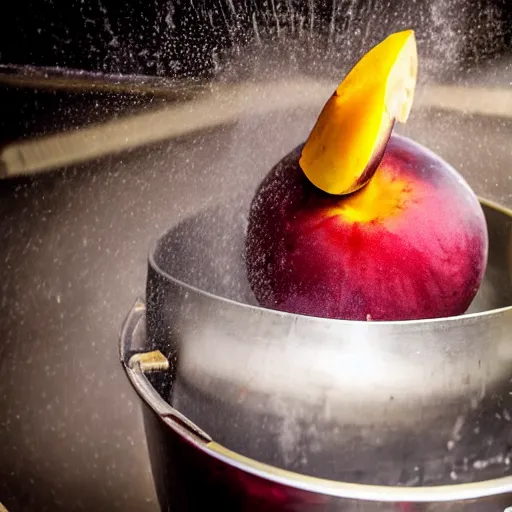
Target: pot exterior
(189, 480)
(194, 472)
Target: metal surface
(185, 461)
(80, 81)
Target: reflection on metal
(149, 361)
(485, 101)
(224, 105)
(75, 80)
(212, 107)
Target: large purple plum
(411, 244)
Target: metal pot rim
(464, 319)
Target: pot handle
(138, 364)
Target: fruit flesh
(412, 244)
(347, 141)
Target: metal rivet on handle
(149, 361)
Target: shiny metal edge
(135, 367)
(207, 107)
(137, 378)
(86, 81)
(363, 492)
(496, 206)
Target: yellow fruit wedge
(348, 140)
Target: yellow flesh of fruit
(357, 120)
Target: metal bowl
(356, 410)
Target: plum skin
(410, 245)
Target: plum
(411, 244)
(359, 223)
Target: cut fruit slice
(348, 140)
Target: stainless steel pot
(194, 472)
(325, 408)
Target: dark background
(186, 37)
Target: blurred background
(118, 120)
